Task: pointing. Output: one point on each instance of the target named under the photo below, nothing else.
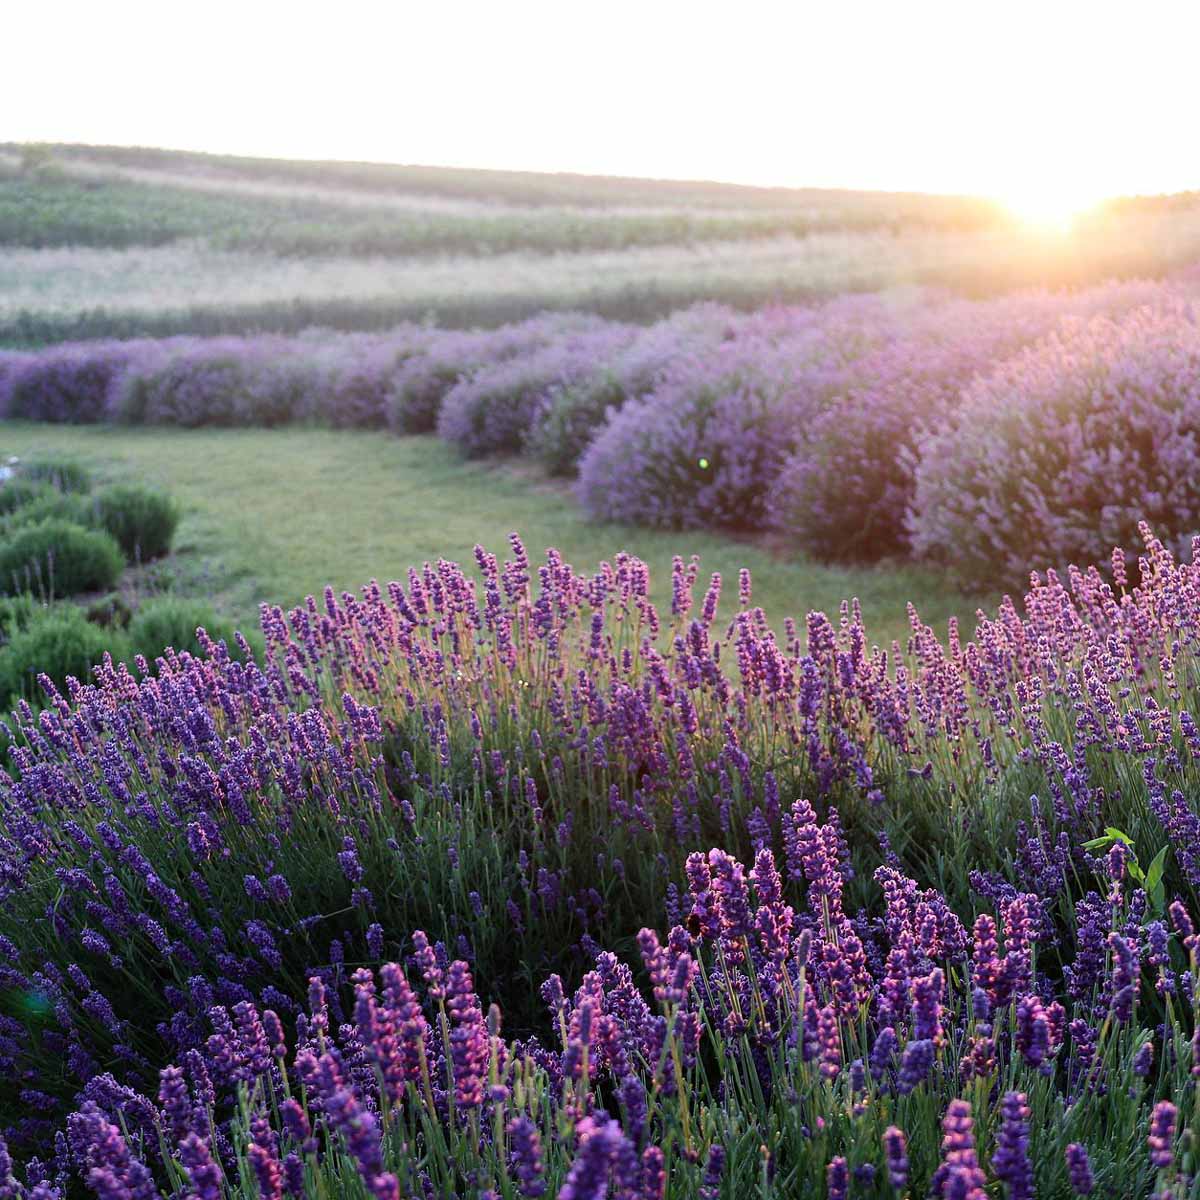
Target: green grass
(277, 514)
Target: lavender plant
(897, 971)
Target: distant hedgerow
(493, 410)
(574, 410)
(705, 446)
(425, 378)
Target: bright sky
(1017, 99)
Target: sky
(1054, 101)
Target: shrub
(705, 446)
(142, 520)
(173, 621)
(357, 383)
(63, 473)
(573, 412)
(845, 493)
(111, 611)
(205, 383)
(1056, 456)
(492, 410)
(421, 383)
(58, 642)
(46, 502)
(17, 493)
(15, 613)
(58, 558)
(11, 362)
(567, 420)
(73, 383)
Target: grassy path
(277, 514)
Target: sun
(1047, 208)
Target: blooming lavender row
(852, 427)
(770, 1047)
(518, 758)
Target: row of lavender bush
(854, 427)
(947, 945)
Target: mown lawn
(277, 514)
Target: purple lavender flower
(959, 1174)
(1161, 1139)
(714, 1171)
(1079, 1170)
(837, 1179)
(526, 1149)
(600, 1142)
(1011, 1158)
(895, 1148)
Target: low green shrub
(173, 621)
(17, 493)
(142, 520)
(50, 503)
(111, 611)
(58, 558)
(64, 473)
(58, 642)
(15, 613)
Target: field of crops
(102, 242)
(634, 859)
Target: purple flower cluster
(525, 755)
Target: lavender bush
(68, 384)
(417, 393)
(705, 445)
(1059, 454)
(492, 410)
(846, 492)
(575, 409)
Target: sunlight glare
(1046, 208)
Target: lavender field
(534, 875)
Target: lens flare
(1049, 208)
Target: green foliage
(15, 613)
(63, 473)
(47, 502)
(173, 621)
(58, 642)
(143, 520)
(111, 611)
(58, 558)
(17, 493)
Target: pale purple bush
(71, 383)
(492, 410)
(10, 362)
(845, 493)
(218, 381)
(1055, 456)
(706, 445)
(422, 382)
(573, 412)
(354, 375)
